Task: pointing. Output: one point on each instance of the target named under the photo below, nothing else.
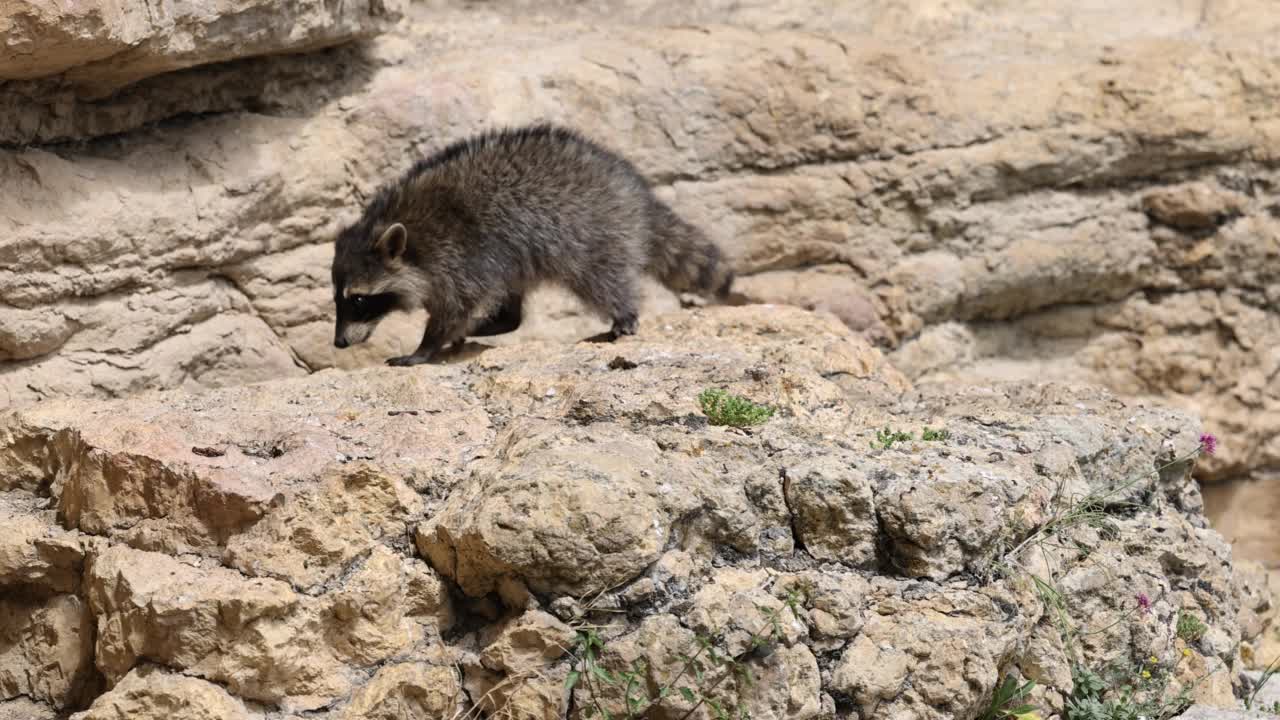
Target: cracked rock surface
(410, 543)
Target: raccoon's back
(543, 201)
(541, 168)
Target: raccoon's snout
(352, 333)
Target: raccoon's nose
(340, 342)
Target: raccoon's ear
(392, 242)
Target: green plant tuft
(1271, 671)
(634, 693)
(1004, 703)
(886, 438)
(1189, 627)
(721, 408)
(935, 435)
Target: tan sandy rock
(313, 536)
(528, 643)
(833, 604)
(406, 691)
(834, 510)
(787, 686)
(21, 708)
(191, 472)
(256, 636)
(556, 515)
(936, 642)
(46, 649)
(151, 693)
(373, 616)
(1243, 511)
(1193, 206)
(35, 553)
(736, 605)
(546, 488)
(102, 46)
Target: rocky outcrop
(391, 543)
(983, 200)
(99, 47)
(71, 71)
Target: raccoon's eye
(359, 300)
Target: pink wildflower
(1208, 443)
(1144, 603)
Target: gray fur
(489, 218)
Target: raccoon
(469, 231)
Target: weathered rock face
(392, 543)
(1044, 189)
(102, 46)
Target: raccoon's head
(368, 279)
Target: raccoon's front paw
(408, 360)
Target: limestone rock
(21, 708)
(35, 554)
(735, 606)
(406, 690)
(1209, 712)
(1242, 512)
(1268, 696)
(256, 636)
(150, 693)
(429, 540)
(834, 510)
(102, 46)
(835, 603)
(538, 697)
(46, 629)
(315, 535)
(556, 515)
(528, 643)
(936, 175)
(46, 649)
(377, 613)
(788, 686)
(1193, 206)
(193, 472)
(948, 643)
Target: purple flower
(1144, 602)
(1208, 443)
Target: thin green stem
(1082, 510)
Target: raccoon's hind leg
(507, 318)
(611, 292)
(624, 325)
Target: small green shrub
(1119, 690)
(931, 435)
(703, 668)
(721, 408)
(1189, 627)
(886, 438)
(1126, 691)
(1004, 702)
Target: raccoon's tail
(684, 258)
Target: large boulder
(361, 544)
(1085, 203)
